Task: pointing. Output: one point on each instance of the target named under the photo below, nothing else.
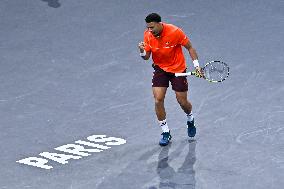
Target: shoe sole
(167, 143)
(163, 144)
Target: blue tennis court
(76, 105)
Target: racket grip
(183, 74)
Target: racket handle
(183, 74)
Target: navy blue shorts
(162, 79)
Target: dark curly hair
(153, 17)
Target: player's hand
(199, 72)
(141, 46)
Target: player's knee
(159, 101)
(183, 102)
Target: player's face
(154, 28)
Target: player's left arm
(191, 50)
(193, 54)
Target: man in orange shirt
(164, 42)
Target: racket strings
(216, 71)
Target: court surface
(70, 70)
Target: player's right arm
(144, 54)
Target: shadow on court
(53, 3)
(182, 177)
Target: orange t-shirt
(167, 48)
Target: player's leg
(180, 86)
(159, 94)
(160, 83)
(183, 101)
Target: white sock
(189, 117)
(163, 124)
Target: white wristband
(143, 53)
(195, 63)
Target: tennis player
(164, 42)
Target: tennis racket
(214, 71)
